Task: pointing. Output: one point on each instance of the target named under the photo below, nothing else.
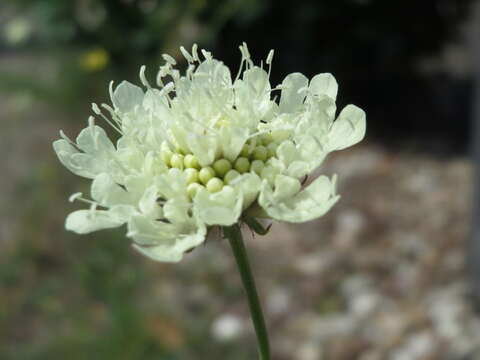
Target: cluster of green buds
(254, 155)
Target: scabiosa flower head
(201, 149)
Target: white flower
(202, 149)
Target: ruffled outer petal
(172, 251)
(167, 242)
(310, 203)
(294, 88)
(221, 208)
(348, 129)
(324, 84)
(66, 152)
(107, 192)
(126, 96)
(86, 221)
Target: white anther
(75, 196)
(186, 55)
(169, 59)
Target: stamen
(110, 89)
(167, 89)
(97, 111)
(195, 52)
(270, 57)
(190, 70)
(186, 55)
(112, 113)
(143, 78)
(169, 59)
(79, 197)
(206, 54)
(75, 196)
(269, 62)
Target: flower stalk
(234, 236)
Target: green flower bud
(214, 185)
(192, 189)
(260, 153)
(230, 176)
(176, 161)
(257, 166)
(272, 149)
(242, 165)
(222, 166)
(166, 155)
(267, 139)
(245, 150)
(206, 174)
(191, 161)
(192, 175)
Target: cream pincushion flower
(202, 149)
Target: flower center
(252, 158)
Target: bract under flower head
(202, 148)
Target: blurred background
(383, 276)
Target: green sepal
(255, 226)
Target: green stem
(234, 236)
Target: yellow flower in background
(94, 60)
(205, 150)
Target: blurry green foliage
(129, 33)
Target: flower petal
(65, 153)
(107, 192)
(126, 96)
(248, 185)
(94, 141)
(324, 84)
(221, 208)
(348, 129)
(86, 221)
(312, 202)
(292, 99)
(173, 251)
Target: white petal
(93, 140)
(285, 187)
(123, 212)
(252, 93)
(107, 192)
(248, 185)
(291, 99)
(221, 208)
(324, 84)
(86, 221)
(215, 76)
(65, 151)
(89, 165)
(232, 139)
(312, 202)
(204, 147)
(148, 204)
(126, 96)
(147, 231)
(172, 184)
(176, 210)
(173, 251)
(348, 129)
